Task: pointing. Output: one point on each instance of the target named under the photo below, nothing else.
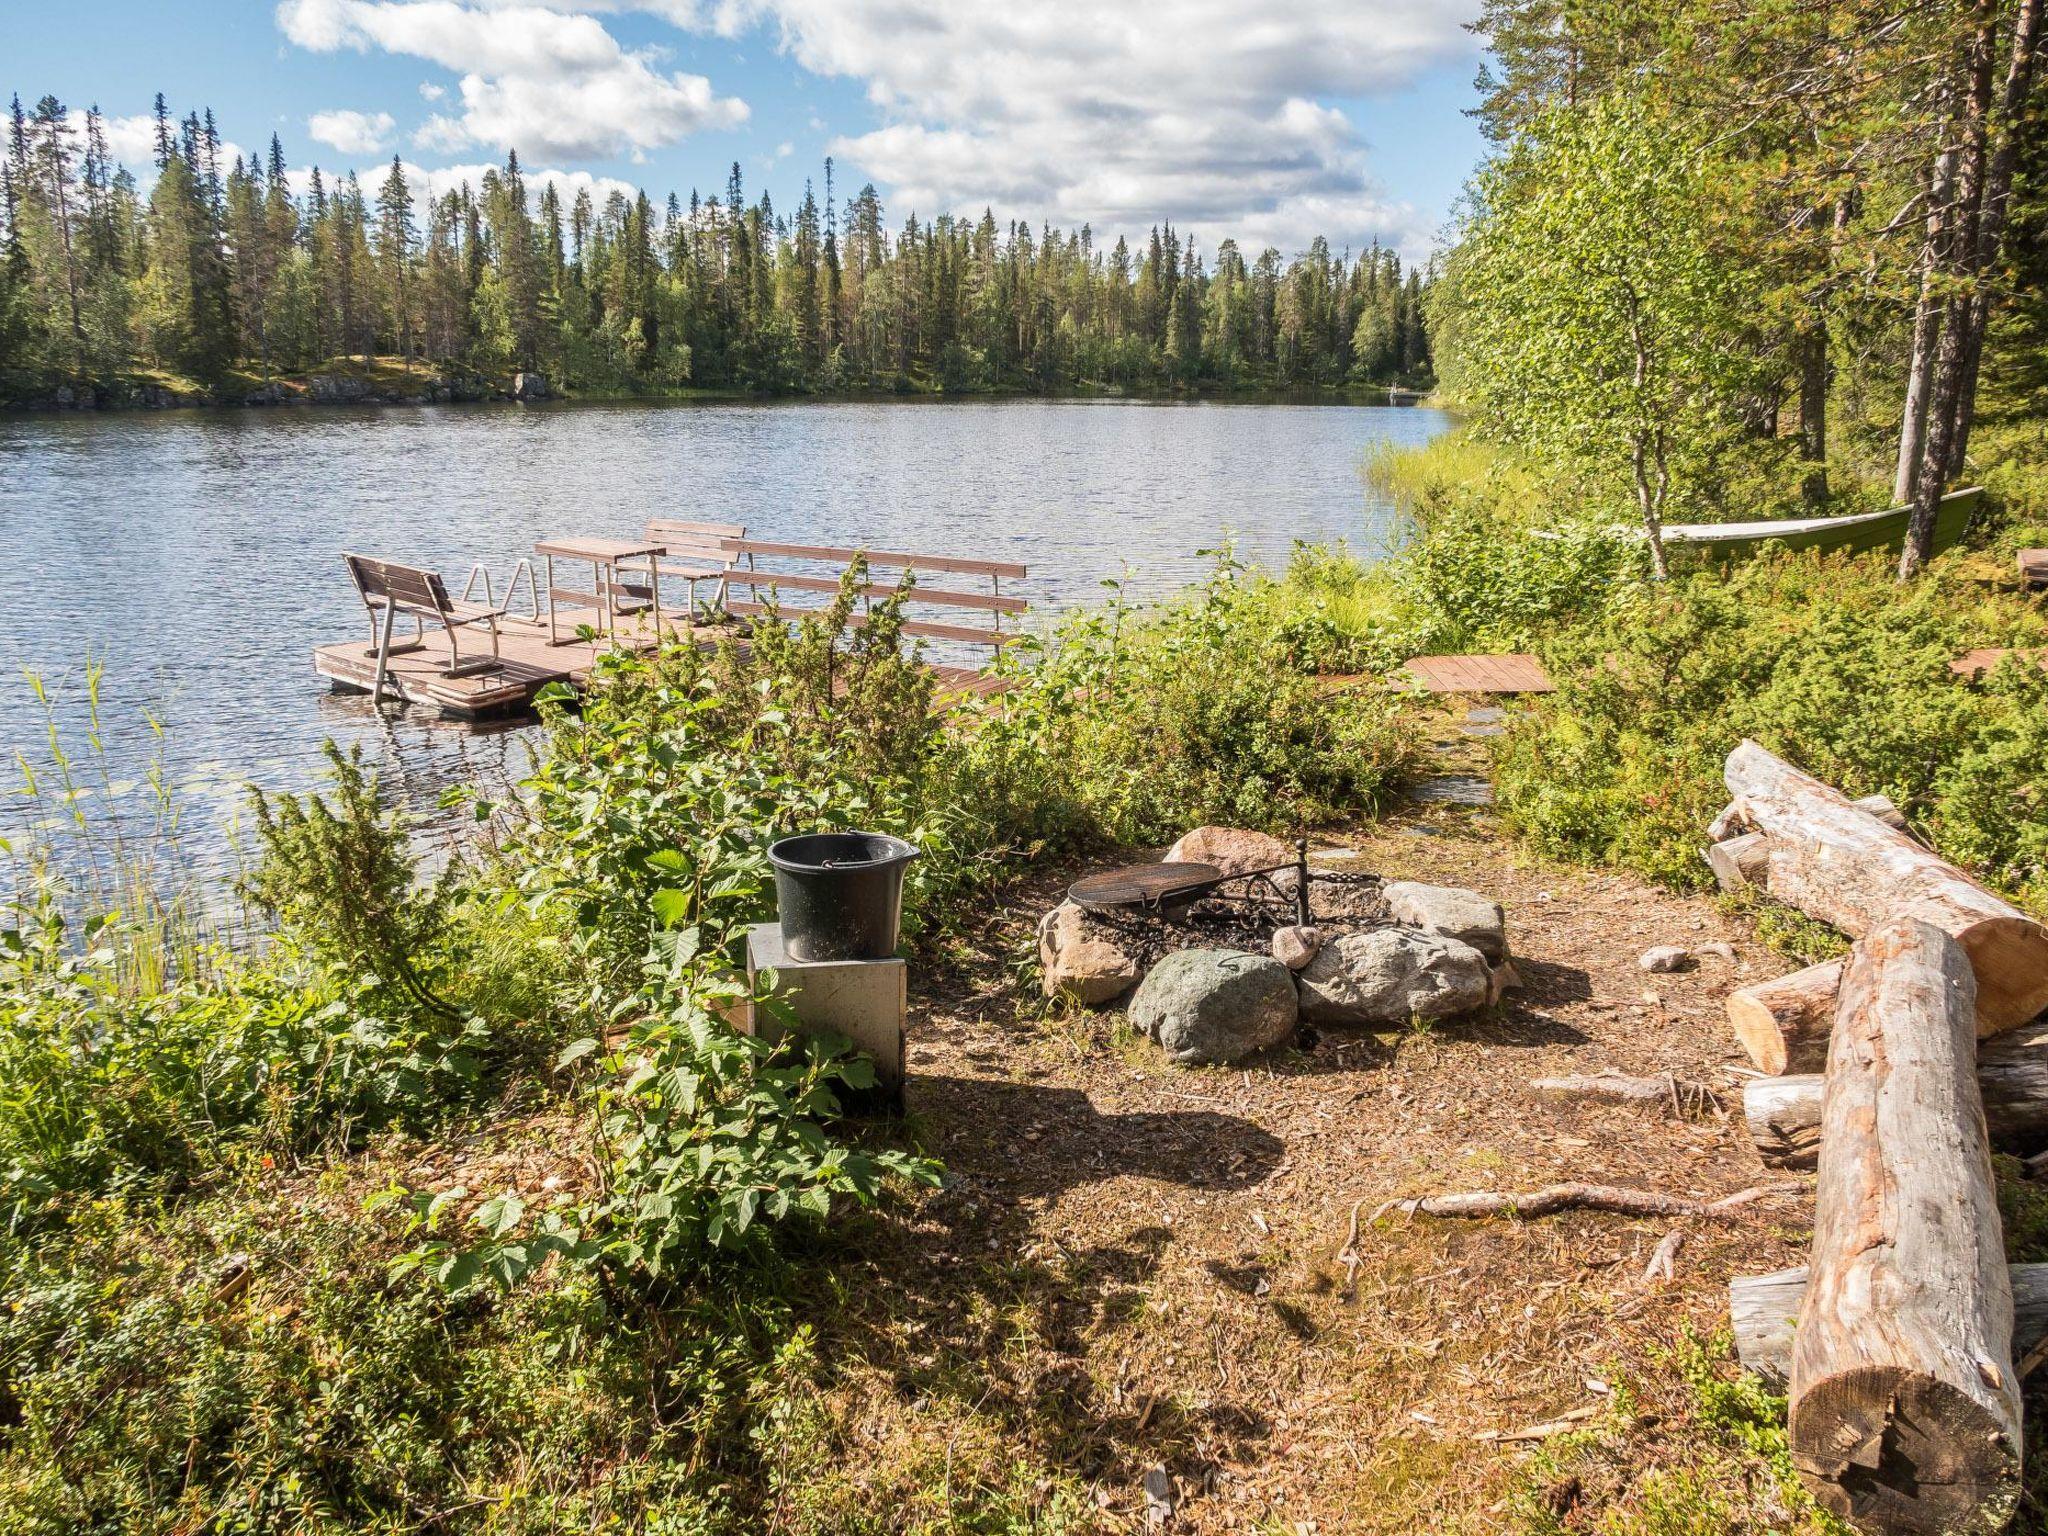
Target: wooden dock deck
(526, 664)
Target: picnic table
(610, 562)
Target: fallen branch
(1553, 1198)
(1662, 1265)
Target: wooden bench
(767, 568)
(694, 552)
(389, 589)
(2033, 568)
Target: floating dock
(525, 664)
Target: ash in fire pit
(1351, 947)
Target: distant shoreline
(388, 387)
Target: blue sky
(1346, 119)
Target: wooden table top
(602, 550)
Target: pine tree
(396, 238)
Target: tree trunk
(1844, 866)
(1741, 862)
(1784, 1113)
(1905, 1407)
(1784, 1023)
(1763, 1309)
(1946, 390)
(1926, 321)
(1997, 203)
(1810, 348)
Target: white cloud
(353, 133)
(430, 91)
(542, 80)
(132, 143)
(1207, 112)
(431, 182)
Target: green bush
(1825, 661)
(1205, 709)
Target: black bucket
(839, 895)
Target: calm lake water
(194, 556)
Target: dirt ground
(1138, 1266)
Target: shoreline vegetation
(389, 381)
(458, 1182)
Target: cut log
(1783, 1023)
(1762, 1310)
(1842, 865)
(1743, 862)
(1905, 1407)
(2012, 1075)
(1740, 862)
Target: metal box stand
(863, 1000)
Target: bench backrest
(760, 565)
(405, 588)
(696, 541)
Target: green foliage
(339, 878)
(1204, 709)
(224, 264)
(1822, 660)
(246, 1365)
(714, 1138)
(1590, 316)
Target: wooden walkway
(526, 664)
(1514, 673)
(1974, 664)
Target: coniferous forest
(222, 275)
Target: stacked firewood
(1896, 1343)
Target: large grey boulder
(1393, 975)
(1082, 958)
(1452, 911)
(1215, 1005)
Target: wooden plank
(665, 528)
(1511, 673)
(985, 601)
(597, 549)
(1974, 664)
(2033, 564)
(923, 627)
(843, 556)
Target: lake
(192, 557)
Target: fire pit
(1359, 948)
(1160, 888)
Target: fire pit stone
(1215, 1005)
(1082, 957)
(1392, 975)
(1294, 946)
(1452, 911)
(1234, 851)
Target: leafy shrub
(1824, 660)
(1202, 709)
